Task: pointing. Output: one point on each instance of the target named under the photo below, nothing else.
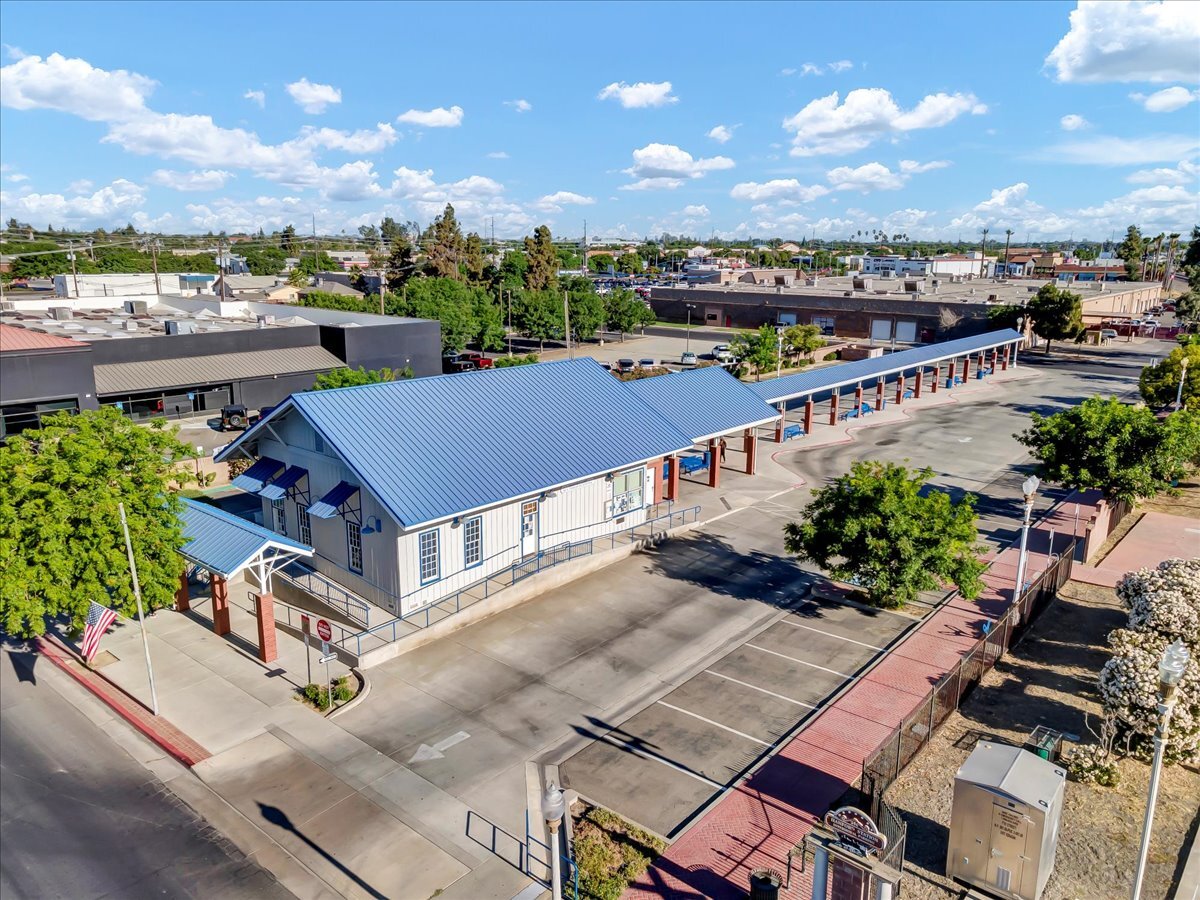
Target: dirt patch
(1050, 679)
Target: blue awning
(278, 488)
(327, 507)
(257, 475)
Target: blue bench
(690, 464)
(979, 373)
(864, 409)
(792, 431)
(907, 395)
(953, 381)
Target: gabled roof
(431, 448)
(15, 338)
(188, 371)
(224, 543)
(704, 403)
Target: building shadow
(279, 818)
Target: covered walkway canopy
(226, 544)
(806, 384)
(704, 403)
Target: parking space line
(670, 765)
(688, 712)
(802, 662)
(831, 634)
(755, 687)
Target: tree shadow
(279, 818)
(22, 658)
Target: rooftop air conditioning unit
(62, 313)
(912, 286)
(174, 326)
(131, 325)
(915, 295)
(992, 298)
(861, 284)
(137, 307)
(266, 320)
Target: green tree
(368, 233)
(803, 339)
(587, 312)
(489, 321)
(446, 248)
(1124, 451)
(60, 530)
(474, 266)
(450, 302)
(1159, 383)
(1191, 256)
(542, 272)
(630, 263)
(601, 263)
(512, 270)
(505, 362)
(401, 264)
(1057, 314)
(758, 349)
(1187, 304)
(1132, 249)
(287, 240)
(877, 527)
(624, 311)
(329, 300)
(538, 314)
(1004, 316)
(347, 377)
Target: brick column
(673, 478)
(900, 388)
(981, 364)
(714, 463)
(750, 444)
(966, 369)
(809, 409)
(833, 408)
(266, 628)
(951, 368)
(846, 880)
(917, 384)
(858, 395)
(779, 423)
(220, 604)
(183, 600)
(1004, 362)
(658, 480)
(879, 395)
(937, 376)
(995, 360)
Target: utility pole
(567, 326)
(74, 274)
(1007, 238)
(982, 251)
(316, 249)
(224, 270)
(585, 247)
(152, 245)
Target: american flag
(98, 619)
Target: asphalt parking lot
(662, 765)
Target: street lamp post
(779, 350)
(1029, 488)
(1171, 667)
(553, 808)
(687, 345)
(1179, 390)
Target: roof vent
(62, 313)
(174, 326)
(131, 325)
(137, 307)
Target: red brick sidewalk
(757, 823)
(156, 728)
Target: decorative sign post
(845, 850)
(855, 830)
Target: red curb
(156, 728)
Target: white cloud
(1137, 41)
(103, 208)
(314, 99)
(521, 106)
(1185, 173)
(1166, 100)
(351, 182)
(912, 167)
(1115, 151)
(475, 199)
(786, 72)
(79, 187)
(553, 203)
(810, 69)
(17, 177)
(74, 86)
(1073, 122)
(365, 140)
(867, 115)
(206, 180)
(841, 65)
(722, 133)
(259, 97)
(777, 189)
(433, 118)
(666, 167)
(696, 212)
(641, 95)
(1161, 208)
(1004, 198)
(869, 177)
(497, 154)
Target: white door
(529, 528)
(1009, 830)
(881, 329)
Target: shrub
(1093, 765)
(829, 357)
(611, 853)
(504, 362)
(342, 690)
(317, 696)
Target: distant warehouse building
(178, 357)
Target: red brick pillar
(879, 395)
(779, 423)
(846, 880)
(673, 478)
(183, 600)
(858, 394)
(751, 447)
(658, 479)
(982, 364)
(900, 388)
(966, 369)
(917, 384)
(220, 604)
(1004, 362)
(937, 376)
(714, 463)
(266, 628)
(809, 409)
(833, 408)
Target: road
(80, 818)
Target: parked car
(1108, 334)
(237, 417)
(481, 361)
(688, 359)
(467, 361)
(722, 353)
(647, 361)
(625, 365)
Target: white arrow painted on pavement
(426, 752)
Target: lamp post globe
(554, 806)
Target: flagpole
(137, 593)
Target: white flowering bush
(1164, 606)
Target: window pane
(305, 525)
(428, 551)
(473, 542)
(354, 547)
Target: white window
(279, 515)
(473, 542)
(354, 547)
(305, 525)
(627, 492)
(430, 563)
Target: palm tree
(1008, 233)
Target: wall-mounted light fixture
(457, 521)
(372, 526)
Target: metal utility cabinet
(1004, 821)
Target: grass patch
(317, 695)
(611, 853)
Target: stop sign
(324, 632)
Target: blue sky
(744, 119)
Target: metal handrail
(327, 591)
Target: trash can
(765, 884)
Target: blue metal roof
(224, 543)
(863, 370)
(704, 402)
(327, 507)
(431, 448)
(278, 488)
(257, 475)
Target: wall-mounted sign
(855, 828)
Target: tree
(1124, 451)
(543, 260)
(1159, 383)
(1004, 316)
(803, 339)
(287, 240)
(601, 263)
(368, 233)
(630, 263)
(877, 527)
(330, 300)
(446, 247)
(758, 349)
(298, 278)
(1057, 314)
(587, 312)
(347, 377)
(474, 266)
(624, 311)
(1132, 250)
(489, 321)
(539, 315)
(401, 264)
(512, 270)
(505, 362)
(1191, 256)
(60, 531)
(450, 302)
(1187, 304)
